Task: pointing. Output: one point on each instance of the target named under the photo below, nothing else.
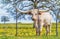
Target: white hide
(45, 17)
(45, 20)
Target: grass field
(26, 31)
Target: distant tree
(4, 19)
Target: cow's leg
(37, 29)
(48, 29)
(34, 24)
(41, 26)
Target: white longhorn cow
(44, 18)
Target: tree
(4, 19)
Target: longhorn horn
(43, 10)
(24, 12)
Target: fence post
(16, 24)
(16, 15)
(56, 26)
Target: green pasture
(26, 31)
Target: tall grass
(26, 31)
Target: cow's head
(33, 12)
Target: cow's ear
(39, 13)
(29, 13)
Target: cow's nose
(32, 19)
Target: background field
(26, 31)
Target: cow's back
(45, 17)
